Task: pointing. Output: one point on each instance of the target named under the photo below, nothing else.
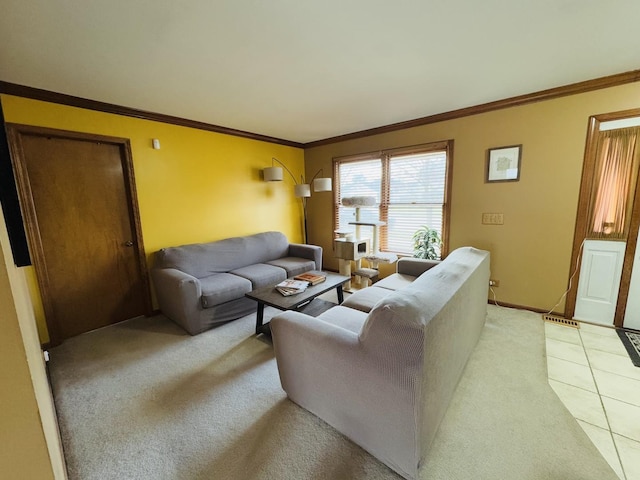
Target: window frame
(385, 156)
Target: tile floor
(590, 371)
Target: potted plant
(427, 243)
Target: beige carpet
(144, 400)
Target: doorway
(605, 274)
(77, 193)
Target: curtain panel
(616, 172)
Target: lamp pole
(302, 190)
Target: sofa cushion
(344, 317)
(416, 304)
(293, 265)
(221, 288)
(365, 299)
(415, 266)
(261, 274)
(203, 259)
(395, 281)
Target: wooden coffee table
(272, 297)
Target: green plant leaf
(427, 243)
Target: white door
(632, 313)
(599, 282)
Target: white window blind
(409, 189)
(361, 178)
(416, 197)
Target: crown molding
(72, 101)
(549, 94)
(572, 89)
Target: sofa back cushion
(204, 259)
(396, 329)
(416, 304)
(423, 334)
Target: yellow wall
(205, 186)
(530, 253)
(199, 186)
(28, 428)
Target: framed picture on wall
(503, 164)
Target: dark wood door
(88, 260)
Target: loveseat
(382, 367)
(203, 284)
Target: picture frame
(503, 164)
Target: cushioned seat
(365, 299)
(293, 265)
(344, 317)
(396, 281)
(261, 274)
(222, 287)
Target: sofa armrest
(327, 370)
(309, 353)
(179, 296)
(415, 266)
(312, 252)
(294, 325)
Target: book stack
(312, 278)
(291, 287)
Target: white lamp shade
(302, 190)
(272, 174)
(322, 185)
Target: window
(409, 188)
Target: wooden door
(78, 197)
(581, 228)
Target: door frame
(27, 205)
(581, 227)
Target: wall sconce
(301, 190)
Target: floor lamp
(301, 190)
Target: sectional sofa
(382, 367)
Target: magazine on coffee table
(312, 278)
(291, 287)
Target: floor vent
(560, 320)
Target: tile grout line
(591, 391)
(624, 355)
(597, 392)
(584, 349)
(589, 363)
(566, 360)
(624, 377)
(604, 410)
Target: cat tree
(355, 248)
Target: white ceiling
(308, 70)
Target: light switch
(493, 218)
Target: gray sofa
(382, 367)
(203, 284)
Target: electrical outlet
(493, 218)
(494, 283)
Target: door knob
(128, 244)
